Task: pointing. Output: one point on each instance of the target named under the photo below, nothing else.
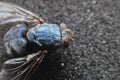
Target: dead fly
(27, 47)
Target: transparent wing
(23, 67)
(13, 13)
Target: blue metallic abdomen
(45, 34)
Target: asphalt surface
(95, 52)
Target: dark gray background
(95, 52)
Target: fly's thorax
(45, 35)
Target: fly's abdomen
(15, 41)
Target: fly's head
(66, 35)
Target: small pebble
(94, 2)
(62, 64)
(75, 68)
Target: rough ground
(95, 52)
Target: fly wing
(13, 13)
(22, 67)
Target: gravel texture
(95, 51)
